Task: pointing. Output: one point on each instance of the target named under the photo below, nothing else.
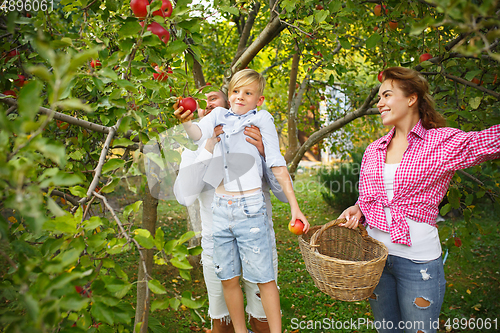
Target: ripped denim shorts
(242, 241)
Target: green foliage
(341, 182)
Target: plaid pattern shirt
(423, 176)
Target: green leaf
(73, 104)
(454, 197)
(78, 191)
(230, 10)
(192, 304)
(127, 85)
(187, 236)
(194, 251)
(176, 47)
(373, 40)
(81, 58)
(92, 223)
(345, 43)
(185, 275)
(112, 164)
(174, 303)
(160, 304)
(29, 100)
(321, 15)
(156, 287)
(131, 208)
(109, 73)
(144, 238)
(123, 142)
(472, 74)
(445, 209)
(130, 28)
(41, 71)
(111, 186)
(184, 264)
(159, 239)
(475, 102)
(102, 312)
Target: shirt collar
(418, 131)
(230, 113)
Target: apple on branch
(425, 57)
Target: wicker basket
(344, 263)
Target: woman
(404, 176)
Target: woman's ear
(412, 99)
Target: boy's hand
(179, 114)
(255, 138)
(298, 215)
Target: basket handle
(361, 229)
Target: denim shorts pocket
(254, 208)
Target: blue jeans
(409, 296)
(242, 240)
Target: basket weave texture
(344, 263)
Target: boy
(239, 213)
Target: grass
(472, 280)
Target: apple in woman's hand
(298, 227)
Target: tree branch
(339, 123)
(246, 31)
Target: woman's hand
(352, 214)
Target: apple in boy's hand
(298, 227)
(189, 104)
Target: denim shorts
(242, 241)
(403, 284)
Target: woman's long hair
(411, 82)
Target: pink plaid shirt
(423, 176)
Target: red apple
(20, 81)
(495, 79)
(95, 63)
(476, 81)
(378, 10)
(11, 93)
(165, 10)
(83, 292)
(458, 242)
(319, 7)
(139, 8)
(189, 104)
(62, 125)
(425, 57)
(393, 25)
(375, 28)
(160, 75)
(298, 228)
(380, 76)
(319, 54)
(159, 31)
(312, 107)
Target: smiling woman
(404, 176)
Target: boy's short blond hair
(246, 77)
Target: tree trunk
(149, 217)
(293, 139)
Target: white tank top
(424, 237)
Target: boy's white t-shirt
(240, 166)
